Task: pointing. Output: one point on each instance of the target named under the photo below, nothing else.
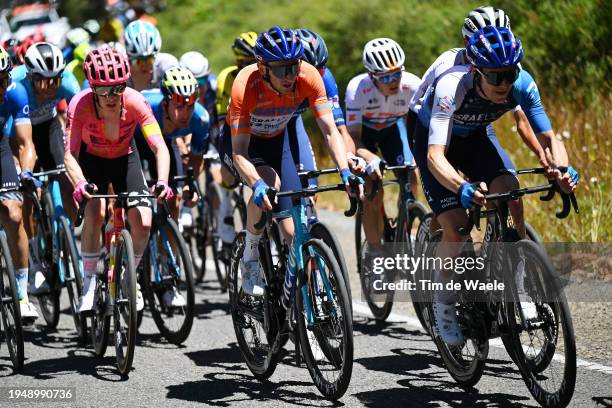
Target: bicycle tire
(125, 302)
(155, 291)
(546, 290)
(263, 364)
(201, 237)
(342, 355)
(9, 307)
(380, 313)
(69, 258)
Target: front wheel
(9, 307)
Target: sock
(251, 251)
(444, 296)
(225, 206)
(90, 265)
(22, 284)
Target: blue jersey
(14, 107)
(452, 106)
(198, 125)
(48, 110)
(331, 89)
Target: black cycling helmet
(315, 50)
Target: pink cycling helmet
(106, 67)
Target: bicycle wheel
(259, 348)
(9, 307)
(100, 321)
(380, 303)
(125, 312)
(201, 237)
(550, 382)
(324, 321)
(420, 298)
(49, 302)
(168, 269)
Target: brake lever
(266, 216)
(354, 187)
(377, 185)
(81, 211)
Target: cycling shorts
(49, 139)
(479, 157)
(8, 172)
(124, 173)
(392, 142)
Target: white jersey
(448, 59)
(366, 105)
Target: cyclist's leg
(176, 169)
(298, 155)
(373, 223)
(229, 180)
(396, 152)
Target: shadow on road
(371, 327)
(209, 309)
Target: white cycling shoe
(446, 323)
(252, 281)
(40, 285)
(172, 298)
(529, 311)
(139, 299)
(28, 311)
(87, 298)
(528, 308)
(226, 231)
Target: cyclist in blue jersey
(47, 83)
(450, 135)
(14, 105)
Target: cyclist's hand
(373, 169)
(549, 170)
(162, 190)
(190, 197)
(567, 181)
(345, 174)
(26, 176)
(468, 195)
(260, 196)
(356, 164)
(83, 190)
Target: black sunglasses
(496, 78)
(281, 71)
(114, 90)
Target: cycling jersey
(75, 67)
(48, 109)
(452, 106)
(225, 80)
(84, 125)
(366, 106)
(257, 110)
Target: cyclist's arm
(334, 140)
(74, 126)
(240, 148)
(529, 138)
(27, 154)
(17, 98)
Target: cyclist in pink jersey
(99, 135)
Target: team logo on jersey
(445, 103)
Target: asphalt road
(395, 364)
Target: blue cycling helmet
(315, 50)
(278, 44)
(494, 47)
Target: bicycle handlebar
(49, 173)
(192, 183)
(382, 166)
(121, 197)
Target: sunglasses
(181, 100)
(281, 71)
(114, 90)
(44, 83)
(389, 78)
(203, 80)
(143, 60)
(5, 81)
(496, 78)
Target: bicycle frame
(153, 247)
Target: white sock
(251, 251)
(225, 206)
(22, 284)
(90, 265)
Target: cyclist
(75, 67)
(99, 134)
(74, 38)
(244, 55)
(451, 134)
(376, 103)
(14, 104)
(142, 43)
(47, 84)
(264, 98)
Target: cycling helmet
(382, 55)
(178, 81)
(484, 16)
(106, 67)
(5, 61)
(116, 45)
(196, 63)
(44, 59)
(142, 39)
(494, 47)
(77, 36)
(92, 27)
(244, 44)
(278, 44)
(315, 50)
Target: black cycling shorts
(49, 139)
(8, 172)
(124, 173)
(392, 141)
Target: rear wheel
(9, 307)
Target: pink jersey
(83, 125)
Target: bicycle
(166, 265)
(490, 314)
(400, 232)
(57, 251)
(317, 298)
(116, 289)
(11, 330)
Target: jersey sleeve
(353, 103)
(239, 106)
(527, 95)
(199, 126)
(331, 88)
(315, 91)
(448, 95)
(146, 119)
(17, 98)
(70, 86)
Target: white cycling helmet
(44, 59)
(77, 36)
(5, 61)
(196, 63)
(382, 55)
(142, 39)
(179, 81)
(482, 17)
